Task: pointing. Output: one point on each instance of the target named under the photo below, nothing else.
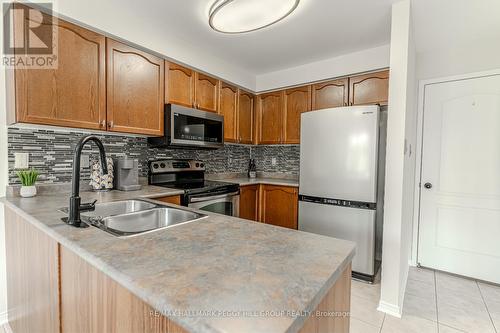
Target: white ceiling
(317, 30)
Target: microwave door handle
(213, 197)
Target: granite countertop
(217, 263)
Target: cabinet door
(295, 101)
(173, 199)
(74, 94)
(179, 86)
(330, 94)
(228, 106)
(206, 92)
(249, 202)
(245, 117)
(135, 90)
(279, 205)
(270, 117)
(32, 264)
(369, 89)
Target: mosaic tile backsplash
(51, 153)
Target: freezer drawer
(354, 224)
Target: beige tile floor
(434, 302)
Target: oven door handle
(213, 197)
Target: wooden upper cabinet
(135, 90)
(296, 101)
(279, 205)
(330, 94)
(369, 89)
(245, 117)
(179, 86)
(228, 107)
(206, 92)
(74, 94)
(249, 202)
(270, 117)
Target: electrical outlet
(21, 160)
(273, 161)
(85, 161)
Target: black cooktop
(202, 186)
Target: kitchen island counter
(216, 274)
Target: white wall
(400, 163)
(357, 62)
(3, 184)
(473, 56)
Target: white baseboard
(390, 309)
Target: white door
(459, 228)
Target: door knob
(428, 185)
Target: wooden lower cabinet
(32, 276)
(271, 204)
(173, 199)
(93, 302)
(333, 312)
(278, 205)
(249, 202)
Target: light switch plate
(21, 160)
(273, 161)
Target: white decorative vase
(28, 191)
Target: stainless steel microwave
(187, 127)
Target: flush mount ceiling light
(239, 16)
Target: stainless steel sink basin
(116, 208)
(147, 220)
(133, 217)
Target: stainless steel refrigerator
(342, 168)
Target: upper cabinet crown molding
(135, 90)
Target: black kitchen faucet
(75, 205)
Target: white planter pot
(28, 191)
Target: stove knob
(202, 165)
(155, 166)
(162, 165)
(197, 164)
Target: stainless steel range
(189, 175)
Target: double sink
(134, 217)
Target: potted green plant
(28, 179)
